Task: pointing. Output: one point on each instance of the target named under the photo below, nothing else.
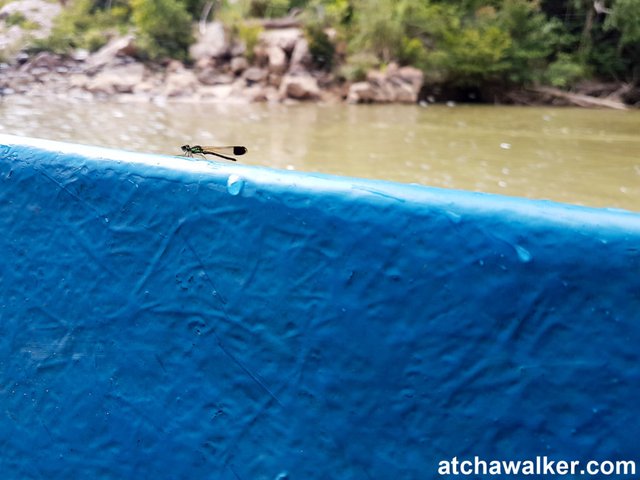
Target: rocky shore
(278, 68)
(280, 71)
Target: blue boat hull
(172, 318)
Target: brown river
(585, 157)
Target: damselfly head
(186, 148)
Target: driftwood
(292, 20)
(286, 22)
(579, 99)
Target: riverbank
(277, 68)
(280, 73)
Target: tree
(625, 17)
(164, 28)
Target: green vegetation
(491, 44)
(163, 26)
(20, 20)
(459, 43)
(85, 24)
(249, 34)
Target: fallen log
(580, 100)
(275, 23)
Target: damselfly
(190, 151)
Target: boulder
(206, 76)
(42, 62)
(239, 65)
(216, 92)
(79, 80)
(41, 12)
(274, 80)
(277, 59)
(174, 66)
(120, 79)
(211, 76)
(254, 75)
(111, 53)
(180, 83)
(285, 38)
(360, 92)
(393, 85)
(300, 57)
(212, 43)
(413, 76)
(299, 87)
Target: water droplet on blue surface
(523, 254)
(234, 184)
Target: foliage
(196, 7)
(83, 25)
(465, 43)
(157, 37)
(249, 34)
(321, 47)
(268, 8)
(625, 18)
(393, 30)
(320, 17)
(564, 71)
(356, 67)
(534, 38)
(472, 55)
(17, 18)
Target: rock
(216, 92)
(40, 12)
(300, 57)
(238, 49)
(274, 80)
(181, 83)
(258, 93)
(207, 76)
(285, 38)
(260, 57)
(22, 58)
(144, 87)
(412, 76)
(44, 61)
(120, 79)
(299, 87)
(213, 77)
(78, 80)
(393, 85)
(404, 93)
(211, 44)
(277, 59)
(239, 65)
(174, 66)
(80, 54)
(204, 63)
(360, 92)
(254, 75)
(115, 49)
